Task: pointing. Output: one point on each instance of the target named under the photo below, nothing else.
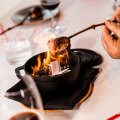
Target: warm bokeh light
(42, 40)
(45, 63)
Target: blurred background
(6, 5)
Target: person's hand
(111, 45)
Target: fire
(45, 64)
(36, 68)
(62, 58)
(47, 59)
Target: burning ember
(50, 65)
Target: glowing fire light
(37, 66)
(42, 40)
(45, 64)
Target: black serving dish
(81, 90)
(56, 85)
(89, 58)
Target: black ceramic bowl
(56, 85)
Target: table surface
(105, 99)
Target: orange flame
(47, 60)
(62, 59)
(37, 67)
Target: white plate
(45, 15)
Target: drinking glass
(115, 4)
(51, 5)
(36, 110)
(16, 46)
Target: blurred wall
(6, 5)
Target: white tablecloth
(75, 15)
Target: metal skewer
(88, 28)
(33, 10)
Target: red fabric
(114, 117)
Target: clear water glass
(51, 5)
(115, 4)
(35, 111)
(17, 47)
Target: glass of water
(35, 111)
(51, 5)
(17, 47)
(115, 4)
